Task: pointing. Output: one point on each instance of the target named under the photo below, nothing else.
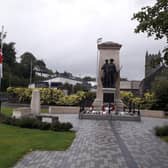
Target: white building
(54, 82)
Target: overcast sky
(63, 33)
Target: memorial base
(108, 95)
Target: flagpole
(99, 40)
(1, 45)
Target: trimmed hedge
(49, 96)
(34, 123)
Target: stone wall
(153, 113)
(63, 110)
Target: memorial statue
(112, 74)
(109, 74)
(105, 69)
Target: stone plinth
(35, 102)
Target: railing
(132, 108)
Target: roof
(109, 45)
(145, 83)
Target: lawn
(8, 110)
(165, 138)
(15, 142)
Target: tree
(40, 64)
(27, 58)
(9, 53)
(160, 89)
(154, 21)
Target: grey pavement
(106, 144)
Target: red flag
(1, 57)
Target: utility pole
(31, 71)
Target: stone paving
(106, 144)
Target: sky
(63, 33)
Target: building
(153, 73)
(56, 82)
(130, 86)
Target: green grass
(8, 110)
(165, 138)
(15, 142)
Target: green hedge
(161, 131)
(34, 123)
(52, 96)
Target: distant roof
(109, 45)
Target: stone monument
(108, 78)
(35, 102)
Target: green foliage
(16, 142)
(34, 123)
(160, 89)
(126, 97)
(52, 96)
(145, 102)
(69, 100)
(154, 21)
(22, 94)
(18, 74)
(161, 131)
(148, 100)
(9, 53)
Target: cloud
(63, 32)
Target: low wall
(153, 113)
(63, 110)
(21, 112)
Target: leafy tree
(9, 53)
(41, 65)
(27, 58)
(28, 61)
(160, 89)
(154, 21)
(88, 78)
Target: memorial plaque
(108, 98)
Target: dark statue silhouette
(109, 74)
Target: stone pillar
(107, 50)
(35, 102)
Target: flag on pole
(99, 40)
(1, 60)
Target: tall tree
(9, 53)
(28, 61)
(154, 21)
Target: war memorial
(108, 104)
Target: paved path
(106, 144)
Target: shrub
(53, 96)
(161, 131)
(34, 123)
(160, 89)
(57, 126)
(126, 97)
